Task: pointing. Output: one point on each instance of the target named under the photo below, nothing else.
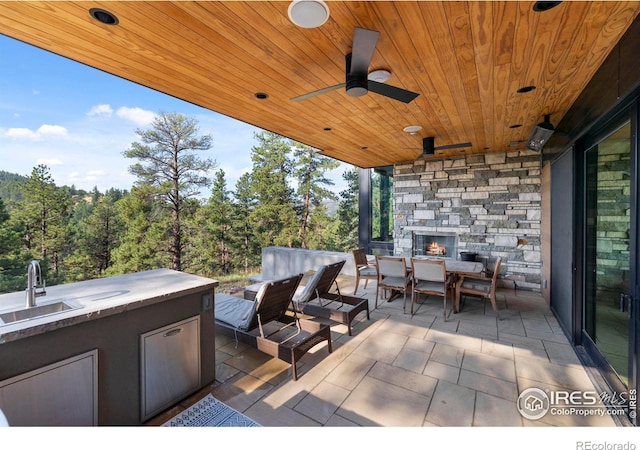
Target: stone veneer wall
(492, 201)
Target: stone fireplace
(486, 204)
(435, 244)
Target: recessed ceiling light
(524, 89)
(544, 6)
(103, 16)
(412, 129)
(308, 13)
(517, 125)
(379, 76)
(326, 129)
(364, 147)
(261, 95)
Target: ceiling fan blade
(318, 92)
(364, 43)
(461, 145)
(393, 92)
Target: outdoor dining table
(453, 266)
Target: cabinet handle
(172, 332)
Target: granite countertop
(99, 298)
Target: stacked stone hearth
(491, 201)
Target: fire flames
(434, 249)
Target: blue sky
(78, 120)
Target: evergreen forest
(179, 214)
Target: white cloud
(94, 173)
(27, 134)
(136, 115)
(49, 161)
(100, 110)
(52, 130)
(21, 133)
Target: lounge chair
(265, 324)
(314, 299)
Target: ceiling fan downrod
(357, 85)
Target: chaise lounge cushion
(303, 293)
(235, 311)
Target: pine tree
(213, 229)
(309, 171)
(143, 246)
(169, 165)
(45, 216)
(274, 217)
(246, 251)
(13, 257)
(96, 238)
(347, 230)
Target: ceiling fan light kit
(379, 76)
(308, 13)
(412, 129)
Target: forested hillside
(10, 186)
(163, 220)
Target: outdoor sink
(36, 311)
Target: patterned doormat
(210, 412)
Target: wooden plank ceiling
(466, 60)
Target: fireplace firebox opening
(435, 244)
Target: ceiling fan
(357, 68)
(429, 149)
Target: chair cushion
(234, 311)
(432, 286)
(477, 285)
(395, 282)
(304, 293)
(368, 271)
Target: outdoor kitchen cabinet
(61, 394)
(170, 365)
(113, 314)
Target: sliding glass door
(609, 264)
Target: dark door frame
(629, 110)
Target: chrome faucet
(34, 281)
